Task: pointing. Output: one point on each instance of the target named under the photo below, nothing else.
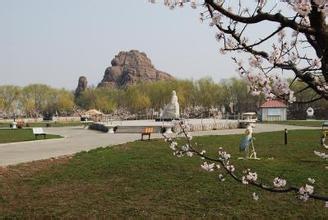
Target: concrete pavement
(77, 139)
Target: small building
(94, 115)
(273, 110)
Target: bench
(39, 131)
(147, 131)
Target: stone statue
(172, 110)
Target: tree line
(142, 97)
(233, 95)
(35, 100)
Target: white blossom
(304, 197)
(178, 153)
(208, 167)
(251, 176)
(221, 177)
(216, 18)
(173, 145)
(255, 196)
(316, 63)
(223, 51)
(193, 4)
(244, 40)
(309, 188)
(275, 56)
(279, 182)
(185, 147)
(302, 7)
(293, 56)
(305, 191)
(223, 154)
(269, 86)
(244, 180)
(311, 180)
(230, 168)
(255, 61)
(321, 154)
(219, 36)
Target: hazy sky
(56, 41)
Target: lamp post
(286, 136)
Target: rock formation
(81, 86)
(131, 67)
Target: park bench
(39, 131)
(147, 131)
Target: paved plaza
(78, 139)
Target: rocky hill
(81, 86)
(131, 67)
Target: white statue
(172, 110)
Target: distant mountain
(129, 68)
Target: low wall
(214, 125)
(208, 124)
(194, 124)
(31, 120)
(137, 129)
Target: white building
(273, 110)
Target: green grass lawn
(45, 124)
(18, 135)
(144, 179)
(313, 123)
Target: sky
(56, 41)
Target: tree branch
(224, 164)
(260, 16)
